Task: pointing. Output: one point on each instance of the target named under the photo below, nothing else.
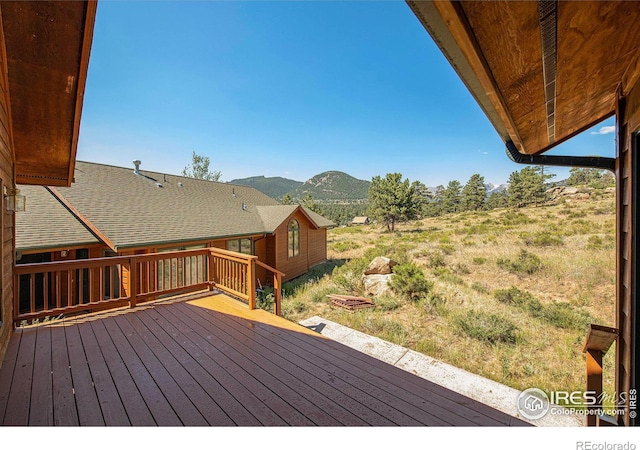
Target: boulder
(380, 266)
(376, 284)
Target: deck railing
(65, 287)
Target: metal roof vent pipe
(137, 163)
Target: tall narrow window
(294, 238)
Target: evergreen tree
(287, 200)
(474, 193)
(309, 203)
(527, 187)
(392, 200)
(595, 178)
(452, 197)
(497, 200)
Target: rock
(569, 190)
(376, 284)
(380, 265)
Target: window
(240, 245)
(294, 238)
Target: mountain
(274, 187)
(491, 188)
(331, 186)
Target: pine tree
(527, 187)
(452, 196)
(392, 200)
(474, 193)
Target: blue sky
(287, 88)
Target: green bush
(479, 260)
(541, 239)
(265, 299)
(344, 246)
(434, 302)
(409, 282)
(387, 303)
(526, 262)
(479, 287)
(561, 315)
(436, 260)
(488, 328)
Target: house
(44, 56)
(360, 220)
(543, 72)
(109, 211)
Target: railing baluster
(58, 290)
(32, 293)
(69, 289)
(45, 291)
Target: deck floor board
(42, 384)
(65, 412)
(211, 362)
(110, 401)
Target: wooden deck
(212, 362)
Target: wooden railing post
(211, 271)
(277, 293)
(597, 342)
(16, 297)
(251, 282)
(133, 282)
(594, 384)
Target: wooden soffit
(541, 71)
(47, 46)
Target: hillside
(333, 186)
(509, 292)
(274, 187)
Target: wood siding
(297, 265)
(317, 246)
(627, 197)
(7, 223)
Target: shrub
(436, 260)
(461, 269)
(435, 302)
(265, 299)
(344, 246)
(292, 308)
(521, 299)
(541, 239)
(479, 260)
(387, 303)
(479, 287)
(447, 249)
(561, 315)
(526, 262)
(408, 281)
(485, 327)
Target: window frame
(240, 245)
(293, 238)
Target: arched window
(294, 238)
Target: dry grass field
(509, 294)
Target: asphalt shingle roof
(47, 223)
(133, 210)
